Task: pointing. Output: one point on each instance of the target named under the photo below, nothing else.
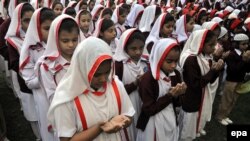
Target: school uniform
(76, 108)
(119, 28)
(14, 39)
(91, 27)
(201, 83)
(236, 71)
(157, 120)
(132, 18)
(127, 71)
(32, 49)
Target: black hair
(201, 14)
(26, 8)
(83, 3)
(106, 11)
(169, 17)
(157, 11)
(209, 36)
(122, 10)
(21, 1)
(126, 6)
(136, 35)
(47, 14)
(55, 3)
(106, 23)
(85, 12)
(68, 25)
(176, 48)
(70, 11)
(188, 18)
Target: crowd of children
(124, 70)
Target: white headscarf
(120, 53)
(52, 52)
(115, 15)
(87, 57)
(193, 47)
(71, 3)
(154, 33)
(95, 10)
(15, 34)
(98, 28)
(158, 54)
(77, 7)
(33, 36)
(133, 15)
(147, 18)
(217, 19)
(47, 3)
(91, 26)
(181, 30)
(35, 3)
(11, 8)
(210, 25)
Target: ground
(18, 129)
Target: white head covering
(77, 7)
(52, 49)
(12, 6)
(223, 32)
(133, 14)
(87, 57)
(120, 53)
(158, 54)
(115, 15)
(154, 33)
(33, 37)
(15, 34)
(217, 19)
(63, 2)
(196, 27)
(71, 3)
(95, 10)
(98, 28)
(247, 20)
(91, 26)
(3, 11)
(232, 16)
(47, 3)
(210, 25)
(229, 9)
(241, 37)
(181, 30)
(193, 46)
(236, 11)
(147, 18)
(35, 3)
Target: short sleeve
(65, 120)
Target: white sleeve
(126, 106)
(29, 75)
(65, 120)
(48, 83)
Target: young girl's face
(170, 62)
(203, 19)
(209, 47)
(85, 22)
(109, 34)
(25, 20)
(167, 29)
(91, 5)
(45, 29)
(84, 7)
(68, 42)
(243, 45)
(107, 16)
(135, 49)
(101, 75)
(225, 37)
(58, 9)
(190, 25)
(122, 18)
(217, 32)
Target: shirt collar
(238, 51)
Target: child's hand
(138, 79)
(218, 52)
(218, 65)
(179, 89)
(246, 56)
(115, 124)
(225, 54)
